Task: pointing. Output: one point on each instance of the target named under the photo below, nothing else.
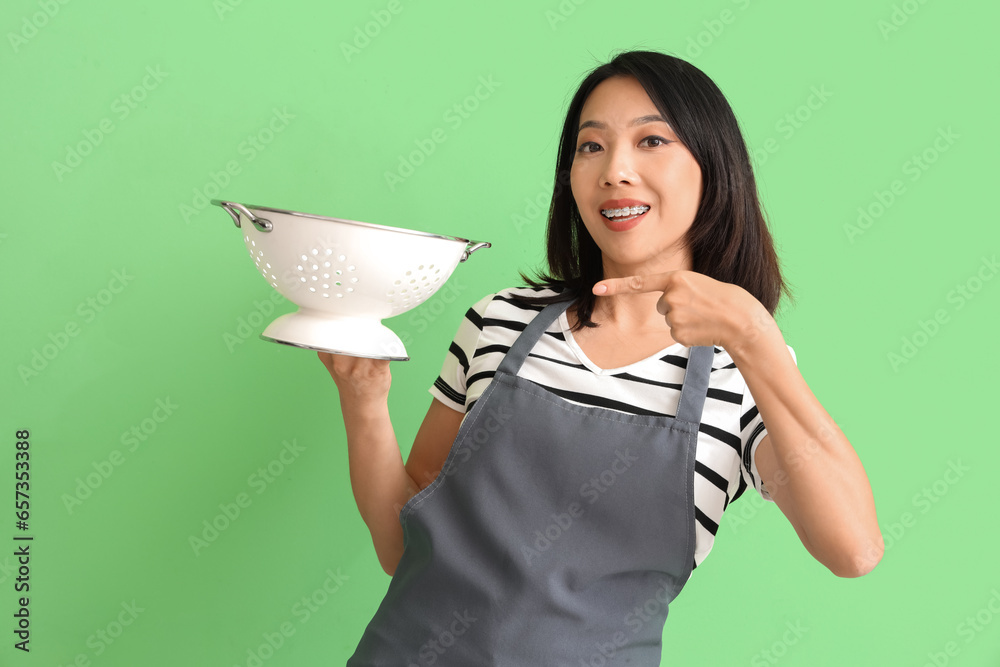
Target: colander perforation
(321, 270)
(413, 287)
(260, 260)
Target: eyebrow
(641, 120)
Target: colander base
(323, 332)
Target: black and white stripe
(731, 425)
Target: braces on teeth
(620, 212)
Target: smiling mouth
(624, 214)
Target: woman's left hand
(698, 309)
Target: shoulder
(526, 293)
(512, 303)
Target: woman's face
(627, 156)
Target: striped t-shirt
(731, 426)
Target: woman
(614, 408)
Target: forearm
(379, 480)
(814, 472)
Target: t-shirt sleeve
(751, 434)
(450, 385)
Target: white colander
(345, 276)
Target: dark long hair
(729, 239)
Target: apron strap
(518, 352)
(695, 389)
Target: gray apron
(556, 534)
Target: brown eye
(660, 141)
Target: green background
(167, 333)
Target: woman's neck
(635, 312)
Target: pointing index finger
(656, 282)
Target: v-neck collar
(585, 360)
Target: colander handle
(473, 247)
(234, 210)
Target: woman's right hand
(358, 378)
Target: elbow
(389, 562)
(388, 566)
(860, 560)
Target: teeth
(621, 212)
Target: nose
(618, 167)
